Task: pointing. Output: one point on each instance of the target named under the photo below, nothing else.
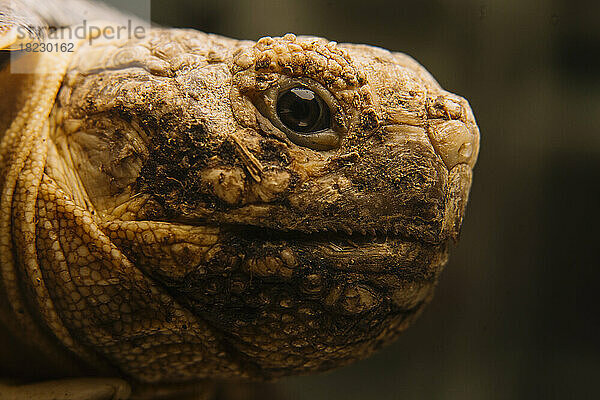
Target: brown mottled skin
(158, 226)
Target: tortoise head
(289, 202)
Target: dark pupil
(302, 110)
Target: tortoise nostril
(453, 141)
(466, 150)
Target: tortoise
(181, 209)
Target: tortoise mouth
(352, 237)
(346, 236)
(378, 254)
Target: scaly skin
(158, 226)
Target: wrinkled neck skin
(178, 234)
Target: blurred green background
(515, 315)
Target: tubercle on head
(315, 58)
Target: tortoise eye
(303, 111)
